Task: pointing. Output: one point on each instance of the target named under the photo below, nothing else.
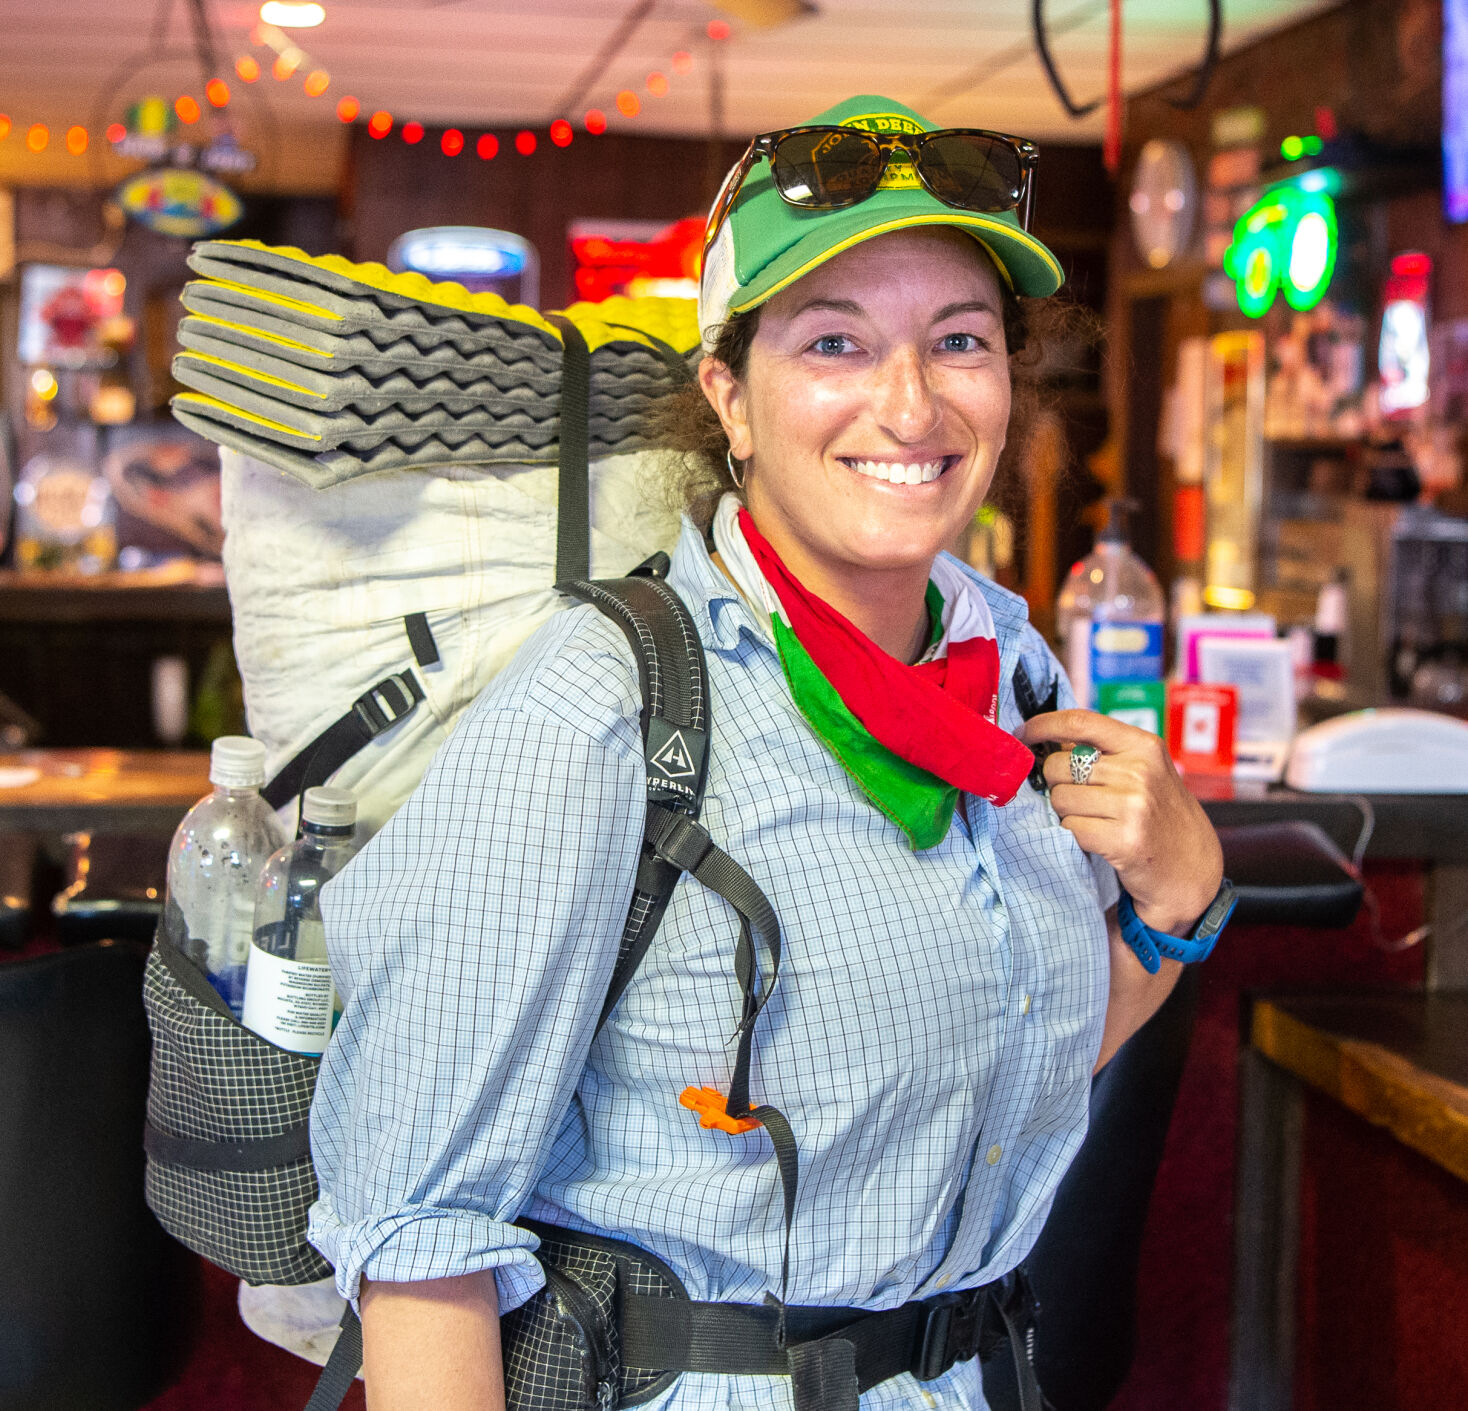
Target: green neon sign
(1286, 241)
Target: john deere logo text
(884, 122)
(899, 175)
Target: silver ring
(1082, 761)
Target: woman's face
(874, 405)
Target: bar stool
(1084, 1266)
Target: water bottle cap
(237, 762)
(329, 807)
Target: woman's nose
(905, 405)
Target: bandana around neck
(911, 736)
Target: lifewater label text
(289, 1003)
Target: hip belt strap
(834, 1354)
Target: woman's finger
(1086, 726)
(1103, 770)
(1095, 835)
(1087, 801)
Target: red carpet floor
(233, 1370)
(1187, 1251)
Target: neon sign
(1287, 242)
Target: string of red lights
(380, 123)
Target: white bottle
(289, 998)
(1109, 615)
(214, 866)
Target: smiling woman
(865, 1176)
(687, 421)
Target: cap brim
(1028, 266)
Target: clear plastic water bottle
(289, 998)
(1110, 614)
(214, 867)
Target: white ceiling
(479, 63)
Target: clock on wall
(1164, 202)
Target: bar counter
(100, 791)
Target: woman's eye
(832, 345)
(962, 343)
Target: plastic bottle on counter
(289, 998)
(1110, 615)
(214, 867)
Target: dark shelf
(112, 597)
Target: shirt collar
(710, 596)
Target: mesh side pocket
(229, 1173)
(583, 1257)
(561, 1349)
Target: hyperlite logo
(673, 760)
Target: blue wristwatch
(1150, 946)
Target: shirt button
(944, 1281)
(993, 1154)
(1024, 1005)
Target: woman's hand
(1136, 813)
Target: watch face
(1163, 202)
(1219, 910)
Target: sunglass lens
(971, 172)
(827, 168)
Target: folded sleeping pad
(329, 370)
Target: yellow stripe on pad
(264, 297)
(410, 285)
(254, 374)
(672, 321)
(261, 333)
(199, 399)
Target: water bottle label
(290, 1003)
(1125, 651)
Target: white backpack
(372, 606)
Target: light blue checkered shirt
(931, 1037)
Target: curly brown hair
(687, 423)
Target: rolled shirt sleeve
(472, 943)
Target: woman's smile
(908, 472)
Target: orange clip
(712, 1108)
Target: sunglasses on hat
(820, 168)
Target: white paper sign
(1264, 672)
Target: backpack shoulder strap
(675, 734)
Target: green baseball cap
(766, 244)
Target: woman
(954, 966)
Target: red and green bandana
(911, 736)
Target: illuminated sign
(478, 258)
(174, 201)
(636, 258)
(1402, 354)
(1286, 242)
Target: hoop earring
(734, 475)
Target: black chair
(93, 1294)
(1084, 1265)
(1290, 874)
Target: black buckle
(380, 707)
(950, 1332)
(679, 840)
